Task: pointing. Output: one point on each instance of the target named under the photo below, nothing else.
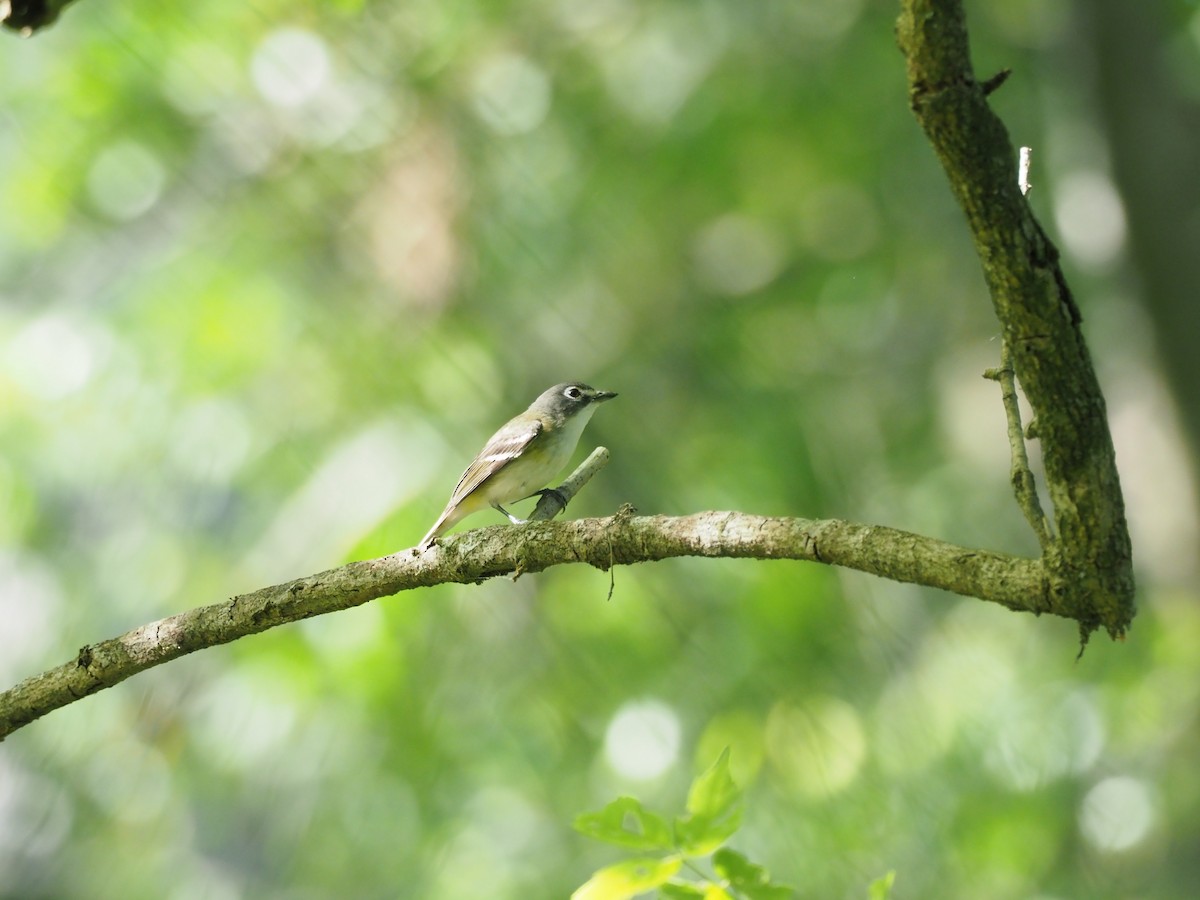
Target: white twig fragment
(1023, 170)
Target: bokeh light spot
(839, 222)
(244, 719)
(653, 73)
(35, 813)
(248, 140)
(30, 604)
(1091, 218)
(1117, 813)
(210, 440)
(200, 78)
(599, 20)
(642, 740)
(290, 67)
(126, 180)
(506, 818)
(818, 746)
(742, 732)
(139, 568)
(131, 781)
(410, 220)
(1156, 473)
(54, 355)
(1042, 736)
(736, 255)
(511, 94)
(825, 19)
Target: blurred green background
(271, 272)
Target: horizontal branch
(472, 556)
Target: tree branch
(551, 503)
(1085, 572)
(1090, 562)
(1021, 476)
(473, 556)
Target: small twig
(1021, 476)
(995, 81)
(1025, 159)
(554, 501)
(612, 575)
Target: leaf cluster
(670, 852)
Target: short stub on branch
(553, 501)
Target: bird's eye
(573, 393)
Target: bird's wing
(504, 446)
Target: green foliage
(714, 810)
(713, 815)
(881, 887)
(248, 335)
(625, 823)
(743, 878)
(628, 878)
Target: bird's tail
(443, 524)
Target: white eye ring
(573, 393)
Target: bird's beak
(601, 396)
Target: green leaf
(625, 823)
(681, 892)
(627, 879)
(714, 810)
(881, 887)
(713, 794)
(700, 836)
(737, 870)
(749, 880)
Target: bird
(519, 460)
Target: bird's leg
(510, 516)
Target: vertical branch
(1090, 565)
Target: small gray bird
(521, 458)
